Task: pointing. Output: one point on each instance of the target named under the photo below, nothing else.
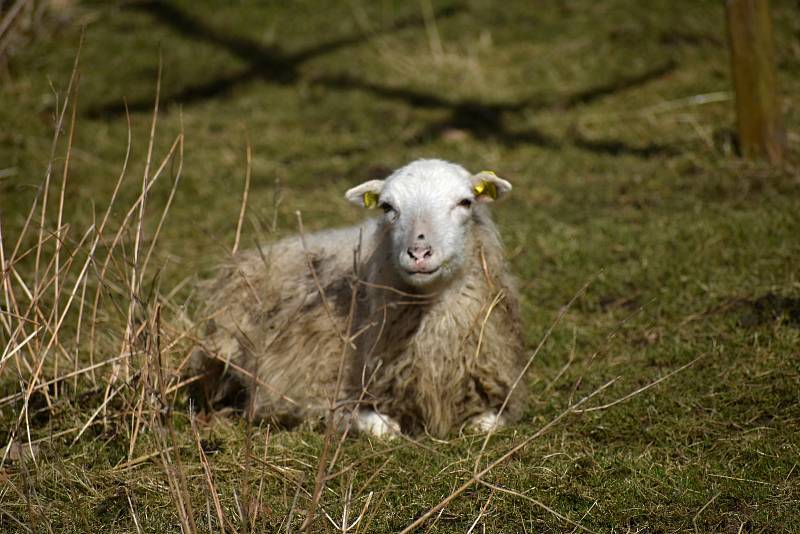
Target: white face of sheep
(427, 208)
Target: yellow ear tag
(485, 188)
(370, 200)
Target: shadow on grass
(483, 121)
(767, 309)
(614, 147)
(264, 63)
(490, 121)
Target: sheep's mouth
(423, 273)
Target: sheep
(408, 322)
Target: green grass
(619, 182)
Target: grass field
(613, 120)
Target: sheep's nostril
(419, 253)
(421, 236)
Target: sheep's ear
(489, 187)
(365, 195)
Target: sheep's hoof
(486, 422)
(379, 425)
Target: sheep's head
(427, 213)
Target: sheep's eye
(386, 207)
(466, 203)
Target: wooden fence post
(758, 108)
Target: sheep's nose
(419, 252)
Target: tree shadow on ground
(490, 121)
(768, 308)
(269, 64)
(481, 120)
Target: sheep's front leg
(486, 422)
(376, 424)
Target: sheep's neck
(416, 349)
